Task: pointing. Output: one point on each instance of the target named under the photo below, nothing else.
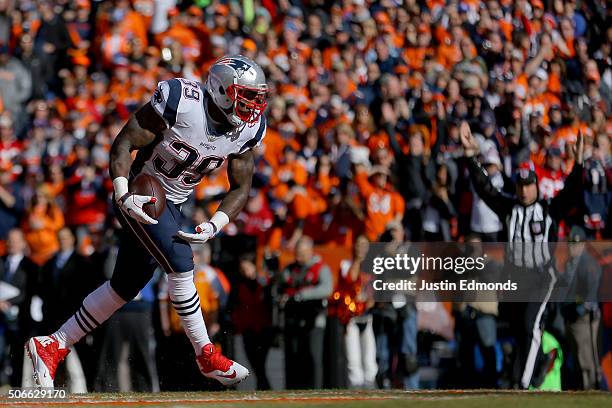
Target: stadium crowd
(366, 99)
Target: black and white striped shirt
(529, 227)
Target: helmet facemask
(249, 103)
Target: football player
(186, 131)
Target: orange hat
(195, 11)
(402, 69)
(415, 80)
(336, 9)
(83, 4)
(152, 51)
(382, 18)
(222, 9)
(439, 97)
(249, 44)
(441, 34)
(82, 60)
(537, 4)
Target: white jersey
(189, 149)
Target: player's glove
(131, 203)
(206, 230)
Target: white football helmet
(238, 87)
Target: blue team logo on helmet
(238, 65)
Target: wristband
(120, 185)
(219, 220)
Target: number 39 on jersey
(188, 150)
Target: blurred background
(362, 145)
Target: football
(147, 185)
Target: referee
(530, 223)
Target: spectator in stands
(382, 204)
(412, 169)
(10, 147)
(355, 314)
(15, 82)
(86, 195)
(551, 176)
(52, 38)
(598, 187)
(11, 202)
(439, 215)
(18, 271)
(476, 328)
(41, 224)
(252, 316)
(305, 286)
(64, 280)
(582, 318)
(484, 221)
(55, 183)
(257, 218)
(396, 325)
(34, 63)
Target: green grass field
(331, 398)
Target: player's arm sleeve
(166, 100)
(258, 138)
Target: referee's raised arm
(494, 198)
(565, 200)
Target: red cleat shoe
(45, 354)
(215, 365)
